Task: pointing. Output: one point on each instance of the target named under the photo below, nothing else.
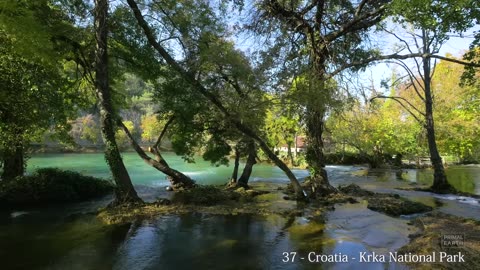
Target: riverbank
(455, 242)
(330, 158)
(262, 199)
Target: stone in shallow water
(396, 206)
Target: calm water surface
(65, 237)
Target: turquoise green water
(143, 174)
(464, 178)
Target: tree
(202, 90)
(282, 125)
(328, 36)
(125, 192)
(375, 129)
(37, 94)
(432, 22)
(457, 110)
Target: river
(70, 237)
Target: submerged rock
(395, 205)
(390, 204)
(355, 190)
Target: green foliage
(121, 138)
(282, 123)
(51, 185)
(456, 112)
(34, 97)
(217, 150)
(376, 128)
(441, 16)
(151, 128)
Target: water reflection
(200, 241)
(203, 242)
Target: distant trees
(395, 125)
(431, 23)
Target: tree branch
(399, 101)
(398, 57)
(164, 130)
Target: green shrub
(52, 185)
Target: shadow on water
(43, 240)
(39, 240)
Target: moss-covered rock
(390, 204)
(355, 190)
(204, 195)
(395, 205)
(428, 239)
(51, 185)
(262, 199)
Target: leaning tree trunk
(124, 192)
(251, 161)
(190, 78)
(440, 183)
(289, 154)
(13, 162)
(177, 179)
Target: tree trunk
(190, 78)
(440, 183)
(289, 154)
(235, 166)
(177, 179)
(247, 171)
(318, 181)
(296, 145)
(124, 192)
(13, 162)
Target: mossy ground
(262, 199)
(390, 204)
(428, 240)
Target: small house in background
(298, 146)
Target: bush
(52, 185)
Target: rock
(163, 202)
(355, 190)
(396, 206)
(240, 190)
(169, 188)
